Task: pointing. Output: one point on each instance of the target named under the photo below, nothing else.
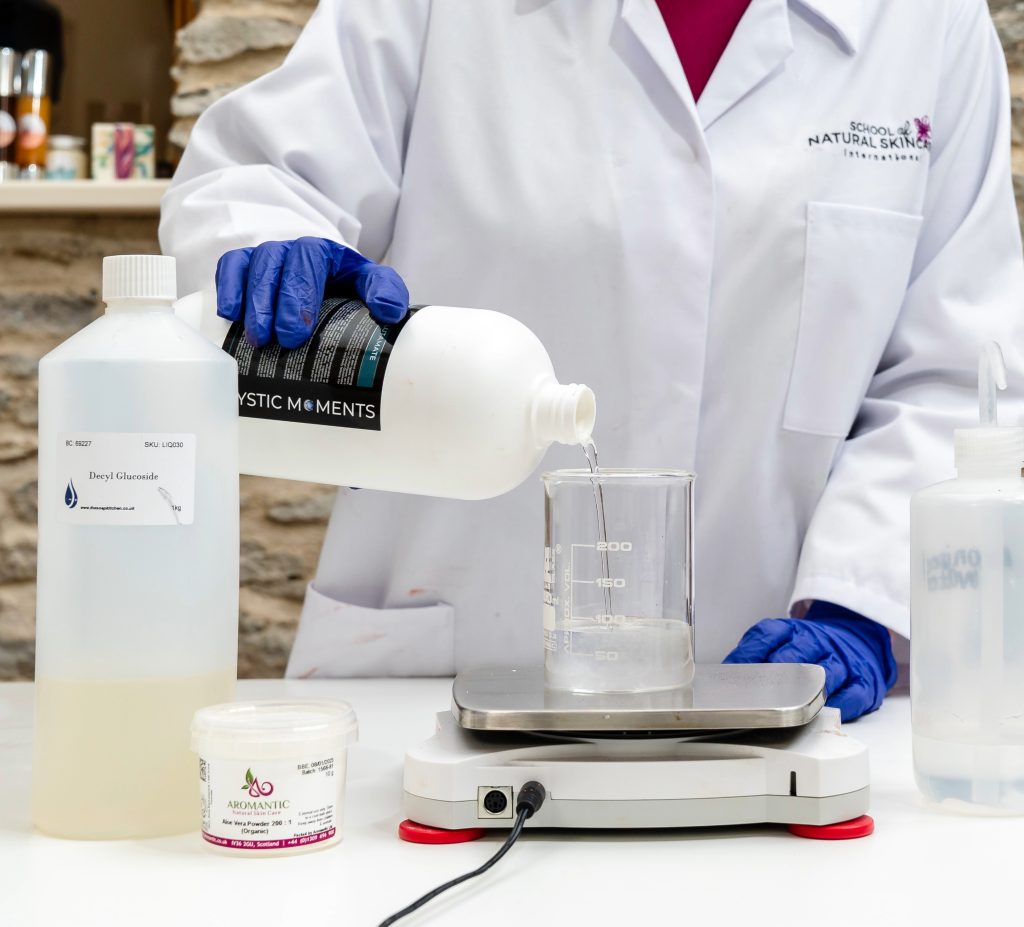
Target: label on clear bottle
(126, 478)
(31, 131)
(8, 129)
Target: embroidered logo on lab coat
(867, 141)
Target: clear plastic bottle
(452, 402)
(967, 616)
(137, 612)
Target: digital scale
(745, 744)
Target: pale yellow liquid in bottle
(112, 759)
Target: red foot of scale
(863, 826)
(412, 832)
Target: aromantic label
(269, 804)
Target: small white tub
(272, 774)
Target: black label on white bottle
(335, 378)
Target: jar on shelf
(66, 159)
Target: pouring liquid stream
(590, 452)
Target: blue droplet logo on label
(70, 495)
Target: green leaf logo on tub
(256, 788)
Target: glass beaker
(618, 580)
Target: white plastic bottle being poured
(452, 402)
(967, 615)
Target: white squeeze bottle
(137, 611)
(967, 615)
(452, 402)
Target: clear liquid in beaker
(639, 655)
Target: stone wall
(228, 44)
(49, 288)
(1008, 16)
(49, 284)
(49, 279)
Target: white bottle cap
(999, 448)
(139, 276)
(990, 447)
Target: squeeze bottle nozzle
(991, 379)
(990, 448)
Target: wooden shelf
(68, 197)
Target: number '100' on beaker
(618, 580)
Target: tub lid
(272, 721)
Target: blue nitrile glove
(855, 652)
(278, 287)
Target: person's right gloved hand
(277, 287)
(855, 652)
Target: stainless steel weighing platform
(744, 744)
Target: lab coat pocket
(336, 640)
(856, 271)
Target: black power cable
(531, 797)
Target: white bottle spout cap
(990, 447)
(139, 276)
(564, 413)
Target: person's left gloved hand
(855, 652)
(277, 287)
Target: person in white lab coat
(782, 286)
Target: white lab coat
(753, 291)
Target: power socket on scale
(494, 801)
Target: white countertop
(922, 866)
